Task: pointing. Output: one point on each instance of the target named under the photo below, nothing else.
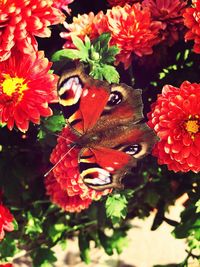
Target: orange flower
(81, 26)
(169, 13)
(21, 20)
(175, 117)
(192, 22)
(26, 88)
(6, 221)
(64, 184)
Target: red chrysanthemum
(192, 22)
(131, 29)
(64, 184)
(170, 14)
(175, 117)
(63, 5)
(26, 88)
(122, 2)
(21, 20)
(6, 221)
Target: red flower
(26, 88)
(175, 117)
(21, 20)
(169, 13)
(64, 184)
(131, 29)
(192, 22)
(6, 221)
(61, 198)
(121, 2)
(6, 265)
(62, 4)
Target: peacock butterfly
(106, 118)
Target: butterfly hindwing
(100, 167)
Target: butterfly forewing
(83, 98)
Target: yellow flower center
(14, 85)
(192, 125)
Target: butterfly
(106, 119)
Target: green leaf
(110, 74)
(102, 41)
(87, 42)
(43, 257)
(83, 50)
(66, 53)
(8, 247)
(84, 246)
(55, 231)
(116, 207)
(33, 226)
(116, 242)
(198, 206)
(55, 123)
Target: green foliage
(98, 55)
(8, 247)
(43, 257)
(115, 242)
(116, 206)
(84, 246)
(33, 226)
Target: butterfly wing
(106, 117)
(104, 167)
(83, 99)
(101, 167)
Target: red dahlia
(64, 184)
(6, 221)
(21, 20)
(192, 22)
(175, 117)
(170, 14)
(26, 88)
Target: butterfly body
(106, 120)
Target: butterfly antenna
(67, 139)
(54, 166)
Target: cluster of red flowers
(134, 29)
(175, 117)
(64, 184)
(131, 29)
(192, 22)
(26, 87)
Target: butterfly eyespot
(115, 98)
(132, 149)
